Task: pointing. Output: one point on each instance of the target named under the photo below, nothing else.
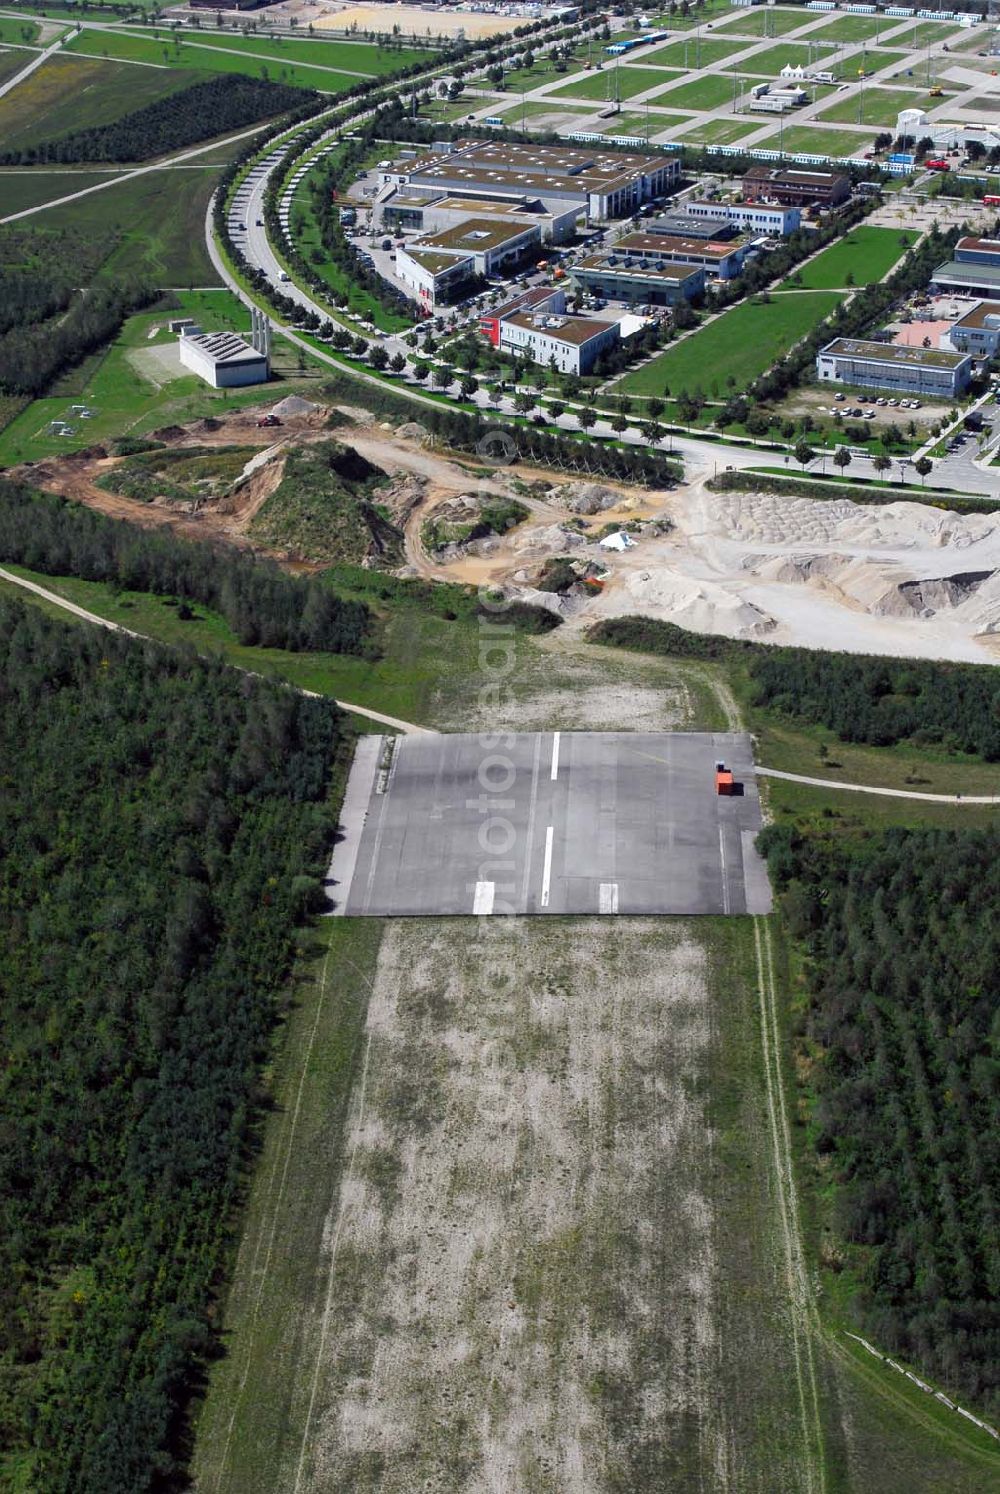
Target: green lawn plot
(877, 106)
(636, 124)
(768, 64)
(709, 92)
(134, 386)
(742, 342)
(710, 49)
(873, 61)
(305, 233)
(844, 29)
(543, 72)
(168, 51)
(351, 57)
(601, 85)
(819, 142)
(866, 253)
(446, 111)
(933, 32)
(20, 189)
(512, 111)
(160, 220)
(720, 131)
(77, 93)
(17, 33)
(766, 22)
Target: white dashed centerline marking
(725, 878)
(555, 755)
(608, 898)
(547, 868)
(483, 901)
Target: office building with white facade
(931, 372)
(573, 342)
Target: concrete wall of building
(542, 345)
(941, 383)
(636, 291)
(221, 375)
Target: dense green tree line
(33, 354)
(261, 604)
(462, 431)
(861, 697)
(904, 948)
(163, 825)
(199, 112)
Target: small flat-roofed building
(968, 279)
(656, 282)
(224, 359)
(976, 251)
(978, 331)
(597, 183)
(542, 298)
(758, 217)
(795, 187)
(573, 342)
(688, 225)
(888, 365)
(493, 243)
(432, 277)
(401, 212)
(718, 259)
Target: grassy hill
(325, 508)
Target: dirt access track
(435, 477)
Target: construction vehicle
(723, 780)
(266, 421)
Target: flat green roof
(892, 352)
(437, 263)
(477, 234)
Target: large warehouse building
(719, 260)
(598, 184)
(968, 279)
(889, 365)
(432, 214)
(656, 282)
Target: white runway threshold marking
(555, 755)
(608, 898)
(483, 901)
(547, 868)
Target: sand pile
(701, 605)
(293, 404)
(766, 519)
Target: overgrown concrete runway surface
(550, 823)
(552, 1260)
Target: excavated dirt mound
(584, 497)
